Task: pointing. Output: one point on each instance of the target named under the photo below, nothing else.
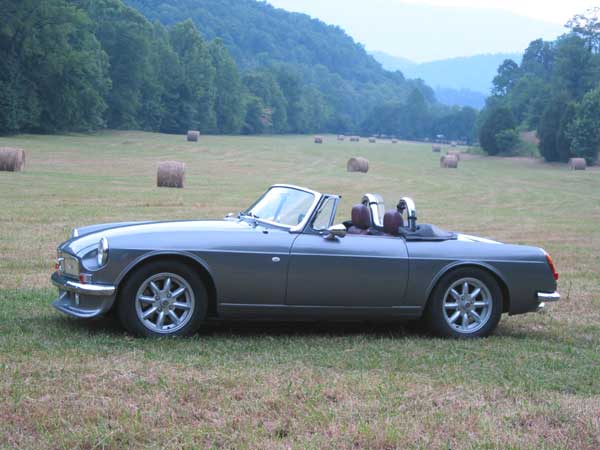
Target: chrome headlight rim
(102, 252)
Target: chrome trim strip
(80, 288)
(548, 296)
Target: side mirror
(335, 231)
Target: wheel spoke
(174, 318)
(475, 316)
(481, 304)
(179, 305)
(465, 321)
(475, 293)
(167, 285)
(149, 312)
(465, 288)
(455, 316)
(146, 299)
(176, 293)
(154, 288)
(450, 305)
(455, 294)
(161, 319)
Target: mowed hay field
(72, 384)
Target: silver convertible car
(284, 258)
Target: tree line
(555, 90)
(79, 65)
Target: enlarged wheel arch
(200, 266)
(478, 265)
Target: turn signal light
(552, 268)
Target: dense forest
(222, 66)
(555, 90)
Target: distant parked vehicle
(284, 258)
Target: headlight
(102, 252)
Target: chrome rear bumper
(548, 296)
(544, 297)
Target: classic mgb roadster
(284, 258)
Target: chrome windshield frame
(309, 213)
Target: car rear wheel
(162, 298)
(466, 303)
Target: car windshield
(282, 205)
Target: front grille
(70, 266)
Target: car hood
(132, 232)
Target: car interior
(367, 219)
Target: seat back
(392, 221)
(361, 220)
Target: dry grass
(71, 384)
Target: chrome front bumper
(544, 297)
(82, 300)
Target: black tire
(126, 307)
(435, 314)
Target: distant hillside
(467, 80)
(324, 56)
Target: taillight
(552, 268)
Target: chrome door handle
(275, 259)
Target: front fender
(161, 253)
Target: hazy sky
(436, 29)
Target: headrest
(361, 217)
(392, 220)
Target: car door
(252, 269)
(353, 271)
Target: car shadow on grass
(110, 325)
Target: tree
(588, 27)
(229, 109)
(495, 120)
(53, 70)
(199, 89)
(508, 74)
(584, 130)
(548, 126)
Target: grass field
(71, 384)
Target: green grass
(72, 384)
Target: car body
(290, 262)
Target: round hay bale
(449, 162)
(453, 144)
(193, 136)
(354, 139)
(358, 164)
(577, 164)
(318, 139)
(436, 148)
(12, 159)
(170, 174)
(454, 153)
(394, 141)
(341, 137)
(372, 140)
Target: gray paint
(264, 271)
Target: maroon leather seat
(392, 221)
(361, 220)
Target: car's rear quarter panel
(523, 270)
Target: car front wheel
(162, 298)
(466, 303)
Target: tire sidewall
(435, 314)
(127, 297)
